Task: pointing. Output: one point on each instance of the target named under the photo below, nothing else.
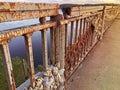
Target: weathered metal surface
(83, 31)
(76, 32)
(86, 8)
(76, 11)
(21, 15)
(21, 11)
(108, 7)
(66, 35)
(8, 65)
(62, 55)
(44, 49)
(28, 43)
(52, 37)
(78, 18)
(5, 35)
(76, 52)
(90, 31)
(80, 24)
(103, 22)
(44, 44)
(72, 33)
(11, 6)
(62, 44)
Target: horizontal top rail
(9, 6)
(22, 11)
(8, 34)
(86, 8)
(79, 10)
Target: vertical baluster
(84, 28)
(62, 42)
(89, 34)
(80, 31)
(44, 49)
(92, 33)
(86, 36)
(52, 36)
(84, 24)
(103, 23)
(66, 35)
(72, 33)
(8, 65)
(44, 44)
(62, 50)
(28, 42)
(76, 34)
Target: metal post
(84, 25)
(103, 23)
(44, 44)
(80, 27)
(52, 37)
(72, 33)
(44, 48)
(62, 42)
(66, 35)
(28, 42)
(8, 65)
(76, 34)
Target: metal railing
(85, 24)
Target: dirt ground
(101, 69)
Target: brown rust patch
(13, 81)
(12, 5)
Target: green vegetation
(3, 84)
(18, 72)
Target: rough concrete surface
(101, 69)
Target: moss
(39, 68)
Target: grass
(18, 72)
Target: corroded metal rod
(80, 31)
(8, 65)
(28, 42)
(103, 22)
(76, 34)
(84, 24)
(44, 43)
(72, 33)
(62, 44)
(44, 49)
(52, 39)
(66, 35)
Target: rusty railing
(72, 36)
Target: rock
(61, 71)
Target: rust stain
(74, 52)
(12, 5)
(13, 86)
